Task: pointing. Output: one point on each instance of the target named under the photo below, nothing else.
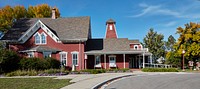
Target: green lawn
(33, 83)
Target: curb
(98, 86)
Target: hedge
(39, 64)
(159, 70)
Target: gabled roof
(110, 46)
(42, 49)
(134, 41)
(66, 29)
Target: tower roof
(110, 21)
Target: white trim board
(35, 28)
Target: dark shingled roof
(110, 21)
(72, 28)
(134, 41)
(109, 44)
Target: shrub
(159, 70)
(52, 63)
(54, 71)
(33, 63)
(8, 61)
(94, 71)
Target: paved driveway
(158, 81)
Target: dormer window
(40, 38)
(135, 47)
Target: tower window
(110, 27)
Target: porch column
(151, 59)
(139, 61)
(105, 61)
(124, 56)
(143, 60)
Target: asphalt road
(160, 81)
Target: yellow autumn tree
(189, 40)
(9, 14)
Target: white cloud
(160, 10)
(169, 24)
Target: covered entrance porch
(117, 59)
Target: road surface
(158, 81)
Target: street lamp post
(183, 52)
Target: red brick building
(69, 40)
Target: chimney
(110, 29)
(53, 13)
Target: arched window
(37, 38)
(43, 38)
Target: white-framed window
(135, 47)
(63, 58)
(112, 61)
(110, 27)
(75, 58)
(43, 38)
(30, 54)
(40, 38)
(47, 54)
(37, 38)
(97, 59)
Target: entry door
(131, 63)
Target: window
(30, 54)
(110, 27)
(37, 38)
(112, 62)
(46, 54)
(43, 38)
(75, 58)
(40, 38)
(136, 47)
(63, 58)
(97, 60)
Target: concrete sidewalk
(87, 81)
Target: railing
(142, 49)
(148, 65)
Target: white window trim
(66, 56)
(136, 46)
(75, 52)
(40, 35)
(111, 27)
(41, 38)
(97, 65)
(35, 37)
(44, 53)
(34, 29)
(32, 53)
(112, 65)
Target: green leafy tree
(155, 43)
(170, 43)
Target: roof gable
(64, 29)
(35, 28)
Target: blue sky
(133, 18)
